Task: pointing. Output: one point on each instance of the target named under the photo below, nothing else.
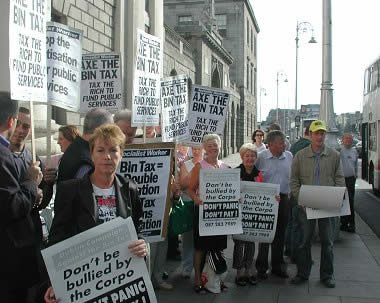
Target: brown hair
(69, 132)
(254, 134)
(107, 132)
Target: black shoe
(252, 280)
(344, 227)
(351, 229)
(165, 275)
(240, 281)
(329, 283)
(280, 273)
(262, 275)
(298, 280)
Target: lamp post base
(332, 138)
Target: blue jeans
(293, 233)
(326, 227)
(187, 250)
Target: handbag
(181, 217)
(217, 261)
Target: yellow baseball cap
(317, 125)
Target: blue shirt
(4, 141)
(275, 170)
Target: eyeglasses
(259, 135)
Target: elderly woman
(211, 144)
(66, 136)
(187, 237)
(257, 140)
(244, 251)
(98, 197)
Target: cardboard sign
(101, 82)
(64, 59)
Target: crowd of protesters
(89, 164)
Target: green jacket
(331, 173)
(299, 145)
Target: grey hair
(123, 115)
(8, 107)
(246, 147)
(210, 137)
(95, 118)
(273, 135)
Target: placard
(150, 166)
(174, 109)
(101, 82)
(96, 266)
(208, 112)
(146, 88)
(27, 50)
(64, 59)
(220, 213)
(259, 211)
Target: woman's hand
(278, 199)
(50, 296)
(138, 248)
(198, 201)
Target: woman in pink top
(211, 144)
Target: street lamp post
(302, 28)
(262, 91)
(280, 76)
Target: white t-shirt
(105, 200)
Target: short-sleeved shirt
(275, 170)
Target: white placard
(27, 50)
(149, 166)
(146, 88)
(220, 214)
(207, 114)
(64, 60)
(101, 82)
(174, 109)
(259, 211)
(96, 266)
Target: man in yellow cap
(316, 164)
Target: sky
(355, 45)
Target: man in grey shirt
(275, 164)
(349, 157)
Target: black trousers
(350, 185)
(277, 260)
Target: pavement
(356, 265)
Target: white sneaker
(163, 285)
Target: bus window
(372, 137)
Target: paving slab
(308, 299)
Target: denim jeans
(158, 251)
(293, 234)
(326, 227)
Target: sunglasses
(260, 135)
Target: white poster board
(324, 201)
(220, 214)
(174, 109)
(259, 211)
(150, 166)
(101, 82)
(96, 266)
(146, 87)
(207, 114)
(27, 50)
(64, 60)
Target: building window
(255, 46)
(185, 20)
(226, 80)
(251, 39)
(147, 5)
(221, 22)
(247, 76)
(255, 84)
(248, 32)
(251, 79)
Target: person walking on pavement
(275, 163)
(293, 234)
(349, 157)
(258, 140)
(316, 164)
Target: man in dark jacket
(19, 196)
(76, 161)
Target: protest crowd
(87, 189)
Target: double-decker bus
(371, 126)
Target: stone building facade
(217, 48)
